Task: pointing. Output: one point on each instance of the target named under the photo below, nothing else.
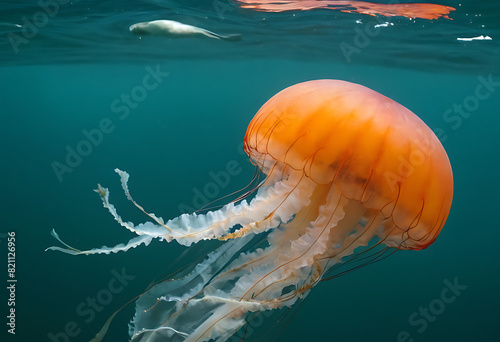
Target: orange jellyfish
(350, 175)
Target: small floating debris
(481, 37)
(384, 24)
(11, 25)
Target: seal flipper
(229, 37)
(232, 37)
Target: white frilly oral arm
(187, 228)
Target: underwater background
(73, 107)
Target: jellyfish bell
(364, 145)
(350, 175)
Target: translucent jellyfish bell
(350, 174)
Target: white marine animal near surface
(173, 29)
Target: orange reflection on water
(422, 11)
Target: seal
(170, 28)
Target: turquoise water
(63, 93)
